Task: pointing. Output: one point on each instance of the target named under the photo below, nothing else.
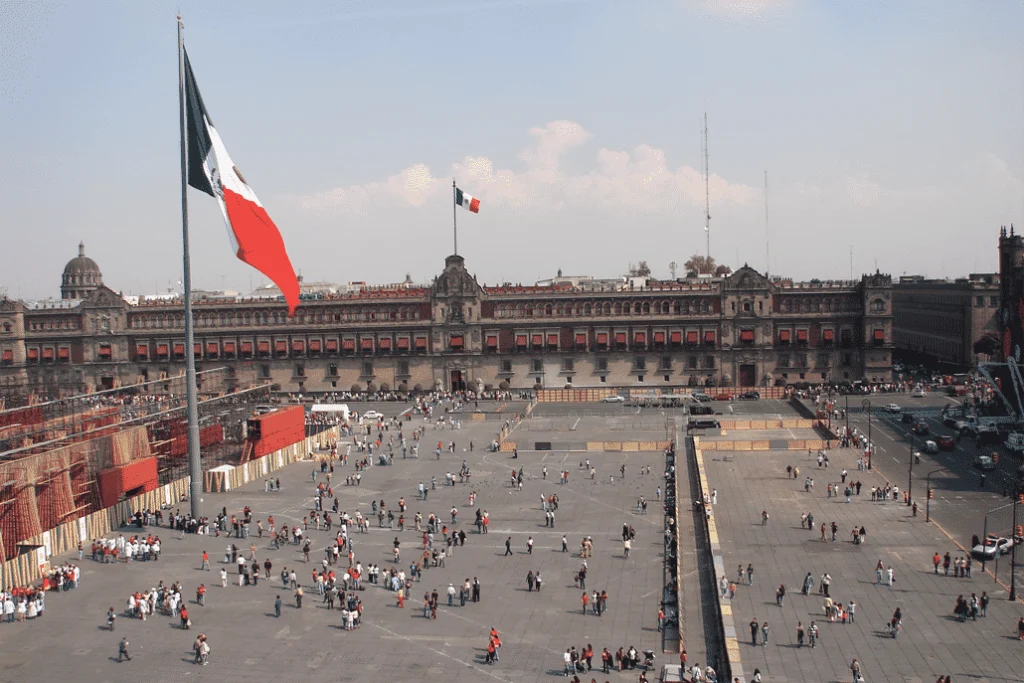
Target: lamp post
(910, 474)
(866, 404)
(928, 498)
(1017, 493)
(984, 539)
(847, 398)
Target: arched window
(646, 308)
(878, 306)
(618, 308)
(586, 309)
(547, 311)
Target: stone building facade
(939, 321)
(739, 330)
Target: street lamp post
(866, 404)
(1018, 491)
(847, 397)
(910, 474)
(984, 538)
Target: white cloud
(638, 181)
(738, 10)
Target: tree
(723, 270)
(988, 344)
(639, 270)
(699, 265)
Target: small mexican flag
(467, 202)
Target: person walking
(122, 650)
(206, 562)
(764, 634)
(508, 546)
(277, 607)
(754, 628)
(111, 618)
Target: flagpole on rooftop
(455, 217)
(194, 465)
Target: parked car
(921, 429)
(1015, 442)
(372, 415)
(931, 447)
(893, 408)
(946, 442)
(700, 396)
(750, 395)
(907, 418)
(724, 396)
(613, 399)
(703, 423)
(993, 545)
(985, 463)
(671, 673)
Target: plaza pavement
(932, 641)
(248, 644)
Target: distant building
(938, 322)
(740, 330)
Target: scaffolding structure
(51, 475)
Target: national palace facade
(741, 330)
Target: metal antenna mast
(767, 250)
(707, 190)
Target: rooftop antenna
(767, 250)
(707, 190)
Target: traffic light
(931, 494)
(1020, 499)
(1020, 530)
(995, 458)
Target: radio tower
(707, 191)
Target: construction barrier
(743, 425)
(30, 566)
(573, 395)
(227, 478)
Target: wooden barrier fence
(218, 481)
(29, 567)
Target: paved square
(932, 642)
(71, 642)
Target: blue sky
(892, 127)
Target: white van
(334, 408)
(918, 392)
(1015, 442)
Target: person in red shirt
(185, 623)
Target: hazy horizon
(894, 128)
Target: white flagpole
(194, 464)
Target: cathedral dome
(81, 276)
